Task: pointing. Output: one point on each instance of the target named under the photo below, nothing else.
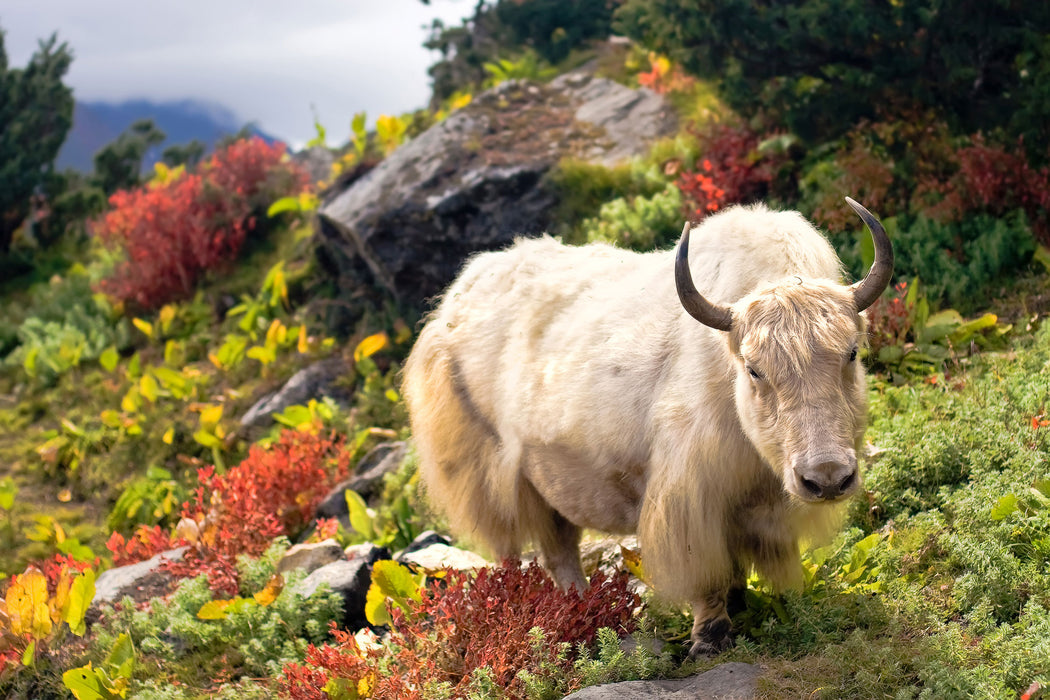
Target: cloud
(267, 61)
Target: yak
(557, 387)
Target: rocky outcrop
(476, 180)
(731, 681)
(314, 382)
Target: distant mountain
(97, 123)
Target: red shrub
(732, 171)
(146, 543)
(451, 633)
(994, 180)
(170, 233)
(273, 492)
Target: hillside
(210, 488)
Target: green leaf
(81, 593)
(29, 655)
(8, 491)
(121, 659)
(149, 388)
(1004, 507)
(145, 326)
(84, 683)
(109, 359)
(394, 582)
(203, 437)
(360, 519)
(282, 205)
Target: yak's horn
(718, 317)
(875, 282)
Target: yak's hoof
(704, 647)
(713, 638)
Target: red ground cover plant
(273, 492)
(171, 232)
(465, 623)
(731, 171)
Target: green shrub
(640, 222)
(959, 264)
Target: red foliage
(732, 172)
(450, 633)
(60, 564)
(273, 492)
(144, 544)
(995, 180)
(171, 233)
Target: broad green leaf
(172, 380)
(8, 491)
(968, 329)
(203, 437)
(166, 316)
(121, 657)
(394, 582)
(84, 683)
(1004, 507)
(109, 359)
(214, 609)
(360, 519)
(29, 655)
(282, 205)
(81, 594)
(135, 366)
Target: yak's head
(800, 389)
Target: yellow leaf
(632, 560)
(166, 316)
(144, 326)
(60, 603)
(149, 388)
(370, 346)
(81, 593)
(132, 400)
(303, 345)
(27, 602)
(211, 415)
(273, 589)
(65, 496)
(169, 436)
(215, 609)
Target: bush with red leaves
(994, 180)
(170, 233)
(463, 624)
(889, 320)
(731, 171)
(273, 492)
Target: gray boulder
(368, 476)
(730, 681)
(313, 382)
(310, 556)
(144, 578)
(476, 180)
(350, 579)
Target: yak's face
(800, 390)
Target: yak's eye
(852, 355)
(753, 373)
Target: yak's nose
(827, 479)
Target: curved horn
(871, 287)
(717, 317)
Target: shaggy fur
(557, 388)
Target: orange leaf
(273, 589)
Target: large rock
(350, 579)
(731, 681)
(310, 556)
(314, 382)
(368, 476)
(140, 581)
(476, 180)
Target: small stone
(441, 556)
(310, 557)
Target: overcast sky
(267, 61)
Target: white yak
(557, 388)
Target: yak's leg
(711, 625)
(735, 599)
(560, 547)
